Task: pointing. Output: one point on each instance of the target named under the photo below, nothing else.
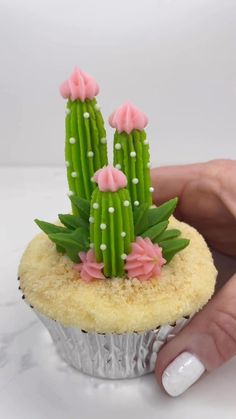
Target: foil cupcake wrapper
(110, 355)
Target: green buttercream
(85, 153)
(107, 229)
(136, 167)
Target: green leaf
(72, 221)
(83, 206)
(73, 243)
(139, 216)
(171, 247)
(155, 215)
(49, 228)
(156, 230)
(167, 235)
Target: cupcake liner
(110, 355)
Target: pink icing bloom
(127, 117)
(110, 179)
(145, 260)
(89, 269)
(79, 86)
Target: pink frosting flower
(79, 86)
(145, 260)
(110, 179)
(89, 269)
(127, 117)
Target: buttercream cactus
(111, 221)
(85, 146)
(131, 151)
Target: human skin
(207, 201)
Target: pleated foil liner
(110, 355)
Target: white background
(175, 59)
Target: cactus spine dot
(151, 189)
(117, 146)
(103, 246)
(126, 203)
(74, 174)
(111, 210)
(103, 226)
(123, 234)
(95, 205)
(135, 181)
(86, 115)
(136, 203)
(72, 140)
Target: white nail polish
(184, 371)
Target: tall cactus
(111, 221)
(85, 145)
(131, 152)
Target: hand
(207, 201)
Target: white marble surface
(34, 382)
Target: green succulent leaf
(50, 228)
(72, 222)
(171, 247)
(149, 217)
(167, 235)
(73, 242)
(139, 215)
(83, 206)
(154, 232)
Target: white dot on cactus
(91, 220)
(70, 193)
(148, 165)
(135, 180)
(151, 189)
(152, 206)
(67, 111)
(111, 210)
(117, 146)
(72, 140)
(118, 166)
(86, 115)
(74, 174)
(90, 154)
(132, 154)
(95, 205)
(92, 179)
(91, 245)
(136, 203)
(97, 107)
(103, 140)
(103, 246)
(123, 234)
(123, 256)
(67, 164)
(145, 142)
(103, 226)
(126, 203)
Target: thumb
(204, 344)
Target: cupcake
(117, 277)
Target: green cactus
(85, 147)
(111, 229)
(131, 155)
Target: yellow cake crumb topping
(54, 288)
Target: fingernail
(184, 371)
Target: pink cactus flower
(145, 260)
(89, 268)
